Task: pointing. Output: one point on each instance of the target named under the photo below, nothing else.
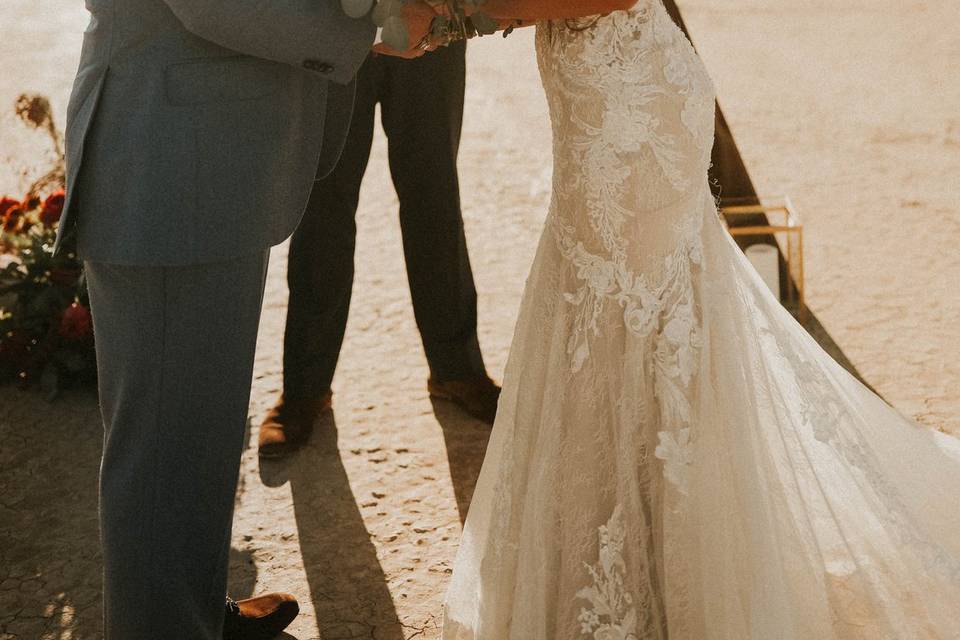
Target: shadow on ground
(50, 561)
(348, 587)
(466, 441)
(815, 328)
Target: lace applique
(612, 614)
(821, 410)
(674, 450)
(645, 308)
(609, 59)
(683, 70)
(613, 76)
(823, 413)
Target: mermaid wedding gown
(674, 456)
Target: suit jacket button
(318, 66)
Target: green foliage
(46, 332)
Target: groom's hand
(418, 15)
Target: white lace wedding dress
(674, 456)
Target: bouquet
(456, 20)
(46, 332)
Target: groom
(195, 131)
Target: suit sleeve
(312, 34)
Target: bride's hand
(418, 15)
(534, 10)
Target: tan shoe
(288, 425)
(477, 396)
(260, 618)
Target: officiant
(421, 103)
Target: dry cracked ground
(851, 108)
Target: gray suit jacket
(196, 128)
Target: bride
(674, 457)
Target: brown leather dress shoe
(260, 618)
(477, 396)
(288, 425)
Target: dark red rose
(52, 208)
(12, 219)
(5, 205)
(76, 323)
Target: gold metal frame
(783, 223)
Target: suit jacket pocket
(223, 80)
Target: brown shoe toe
(260, 618)
(288, 425)
(477, 396)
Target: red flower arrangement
(46, 332)
(52, 208)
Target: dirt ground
(853, 109)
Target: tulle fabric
(674, 457)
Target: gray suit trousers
(175, 350)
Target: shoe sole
(460, 405)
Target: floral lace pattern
(673, 457)
(632, 112)
(824, 414)
(612, 614)
(618, 74)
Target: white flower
(677, 70)
(611, 615)
(608, 173)
(682, 333)
(677, 455)
(641, 319)
(678, 329)
(696, 249)
(626, 128)
(600, 274)
(642, 307)
(589, 620)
